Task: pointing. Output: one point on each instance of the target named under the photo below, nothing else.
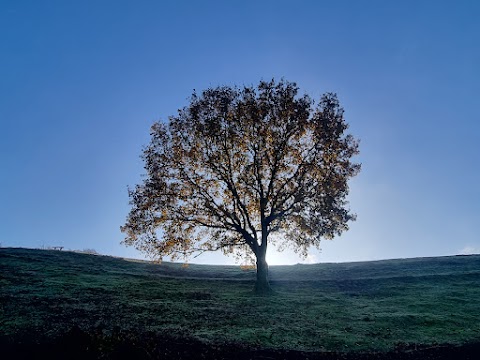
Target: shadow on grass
(78, 344)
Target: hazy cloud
(310, 259)
(468, 250)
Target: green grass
(324, 307)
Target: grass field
(363, 306)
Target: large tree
(241, 167)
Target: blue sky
(82, 81)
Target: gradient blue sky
(82, 81)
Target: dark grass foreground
(59, 304)
(77, 344)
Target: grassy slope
(352, 306)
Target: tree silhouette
(239, 164)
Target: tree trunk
(262, 285)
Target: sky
(81, 82)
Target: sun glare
(275, 257)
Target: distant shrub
(247, 267)
(59, 248)
(90, 251)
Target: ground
(61, 303)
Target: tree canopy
(237, 165)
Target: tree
(241, 167)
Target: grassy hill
(362, 307)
